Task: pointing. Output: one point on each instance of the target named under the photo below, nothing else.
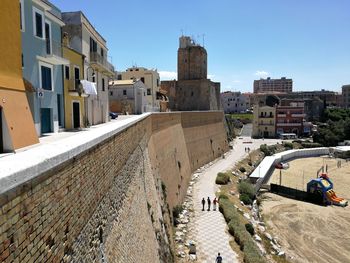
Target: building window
(46, 76)
(93, 45)
(102, 52)
(76, 77)
(137, 69)
(124, 92)
(143, 79)
(21, 10)
(48, 36)
(148, 91)
(111, 93)
(157, 82)
(103, 84)
(66, 72)
(119, 77)
(38, 19)
(22, 61)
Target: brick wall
(108, 202)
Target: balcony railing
(266, 116)
(288, 124)
(266, 124)
(95, 57)
(282, 115)
(301, 115)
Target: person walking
(209, 202)
(218, 259)
(203, 203)
(214, 204)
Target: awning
(89, 87)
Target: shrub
(228, 210)
(247, 188)
(249, 227)
(239, 231)
(242, 169)
(251, 253)
(311, 145)
(268, 150)
(222, 178)
(288, 145)
(245, 199)
(223, 196)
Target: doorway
(45, 120)
(76, 115)
(1, 133)
(266, 134)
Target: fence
(263, 172)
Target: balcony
(75, 88)
(266, 124)
(280, 124)
(299, 115)
(266, 116)
(53, 53)
(101, 64)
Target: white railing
(263, 172)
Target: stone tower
(191, 60)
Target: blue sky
(307, 40)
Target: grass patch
(222, 178)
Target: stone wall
(107, 202)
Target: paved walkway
(208, 228)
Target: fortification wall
(103, 197)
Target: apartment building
(264, 121)
(42, 61)
(128, 96)
(150, 78)
(330, 98)
(282, 85)
(346, 96)
(74, 94)
(290, 119)
(235, 102)
(16, 122)
(85, 39)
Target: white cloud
(261, 73)
(210, 76)
(167, 75)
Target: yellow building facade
(74, 97)
(16, 122)
(264, 121)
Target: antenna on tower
(203, 35)
(182, 32)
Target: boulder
(257, 238)
(247, 216)
(268, 236)
(281, 253)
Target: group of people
(247, 149)
(215, 201)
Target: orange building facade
(16, 121)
